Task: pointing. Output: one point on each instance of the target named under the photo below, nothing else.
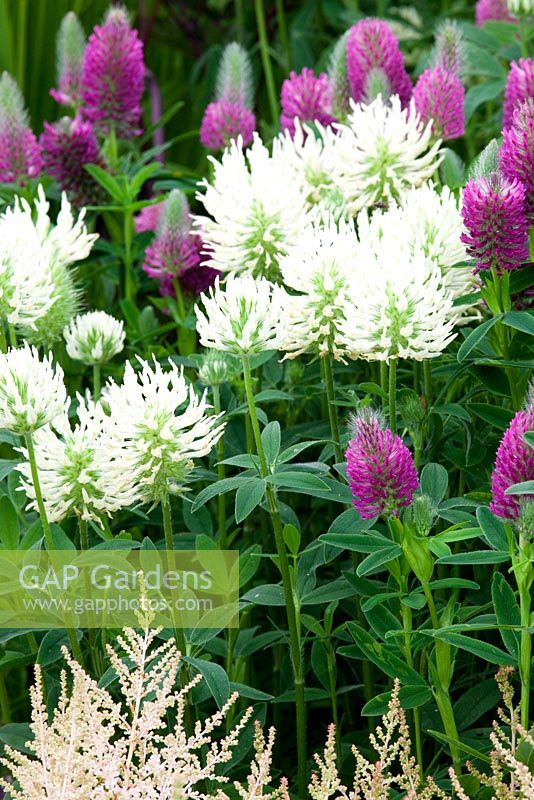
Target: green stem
(221, 473)
(180, 305)
(291, 610)
(129, 283)
(266, 60)
(406, 612)
(328, 373)
(38, 494)
(84, 537)
(239, 21)
(384, 383)
(525, 655)
(5, 711)
(427, 378)
(13, 341)
(282, 31)
(331, 664)
(96, 381)
(393, 395)
(3, 342)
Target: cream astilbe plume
(260, 770)
(97, 748)
(395, 768)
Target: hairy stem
(328, 373)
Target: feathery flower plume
(494, 214)
(516, 156)
(148, 218)
(339, 80)
(243, 317)
(20, 154)
(175, 253)
(156, 427)
(381, 470)
(439, 98)
(306, 97)
(258, 210)
(230, 114)
(514, 464)
(371, 44)
(70, 47)
(519, 87)
(67, 145)
(32, 392)
(321, 266)
(489, 10)
(449, 48)
(382, 151)
(73, 468)
(95, 745)
(94, 338)
(113, 76)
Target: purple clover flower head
(148, 218)
(176, 252)
(494, 214)
(514, 463)
(113, 76)
(371, 44)
(492, 10)
(516, 155)
(306, 97)
(439, 96)
(381, 470)
(230, 114)
(66, 146)
(224, 121)
(519, 87)
(20, 154)
(70, 47)
(450, 48)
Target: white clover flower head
(65, 296)
(68, 238)
(401, 308)
(244, 316)
(94, 338)
(155, 428)
(32, 392)
(521, 6)
(217, 367)
(73, 468)
(322, 267)
(382, 151)
(309, 154)
(257, 208)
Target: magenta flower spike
(494, 214)
(439, 96)
(381, 470)
(519, 87)
(70, 48)
(371, 46)
(516, 156)
(306, 97)
(514, 463)
(20, 154)
(148, 218)
(113, 76)
(230, 114)
(492, 10)
(176, 252)
(67, 145)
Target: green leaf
(475, 337)
(50, 647)
(215, 677)
(335, 590)
(356, 542)
(248, 496)
(382, 655)
(500, 418)
(452, 169)
(476, 557)
(305, 481)
(529, 438)
(520, 320)
(60, 539)
(350, 522)
(481, 93)
(493, 529)
(434, 482)
(526, 487)
(217, 488)
(108, 182)
(270, 594)
(460, 745)
(9, 524)
(7, 465)
(377, 559)
(507, 612)
(16, 734)
(409, 696)
(484, 650)
(292, 539)
(270, 439)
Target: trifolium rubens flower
(94, 338)
(321, 267)
(244, 316)
(308, 154)
(257, 210)
(32, 392)
(427, 222)
(73, 468)
(382, 151)
(401, 307)
(155, 428)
